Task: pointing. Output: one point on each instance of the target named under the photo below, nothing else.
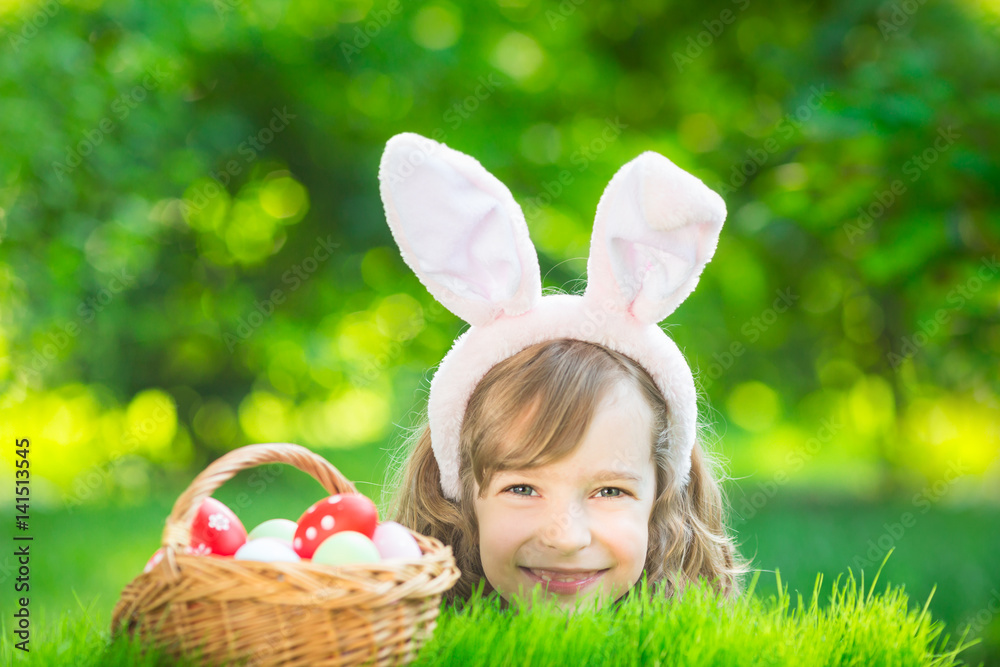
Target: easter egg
(200, 550)
(154, 560)
(346, 547)
(216, 530)
(267, 550)
(393, 540)
(283, 529)
(339, 512)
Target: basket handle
(177, 532)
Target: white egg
(267, 550)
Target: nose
(567, 531)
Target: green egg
(283, 529)
(346, 547)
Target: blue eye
(622, 493)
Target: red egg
(341, 511)
(216, 530)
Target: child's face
(563, 516)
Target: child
(547, 403)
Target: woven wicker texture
(304, 613)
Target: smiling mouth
(576, 576)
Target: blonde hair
(563, 382)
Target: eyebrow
(602, 476)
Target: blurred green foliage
(193, 254)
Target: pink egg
(154, 560)
(393, 540)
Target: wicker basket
(303, 613)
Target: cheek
(629, 538)
(499, 530)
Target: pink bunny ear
(657, 227)
(459, 229)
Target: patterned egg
(216, 530)
(346, 547)
(154, 560)
(158, 555)
(395, 541)
(339, 512)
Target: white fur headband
(465, 237)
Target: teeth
(547, 575)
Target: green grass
(951, 550)
(82, 639)
(856, 626)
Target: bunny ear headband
(465, 237)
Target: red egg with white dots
(341, 511)
(216, 530)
